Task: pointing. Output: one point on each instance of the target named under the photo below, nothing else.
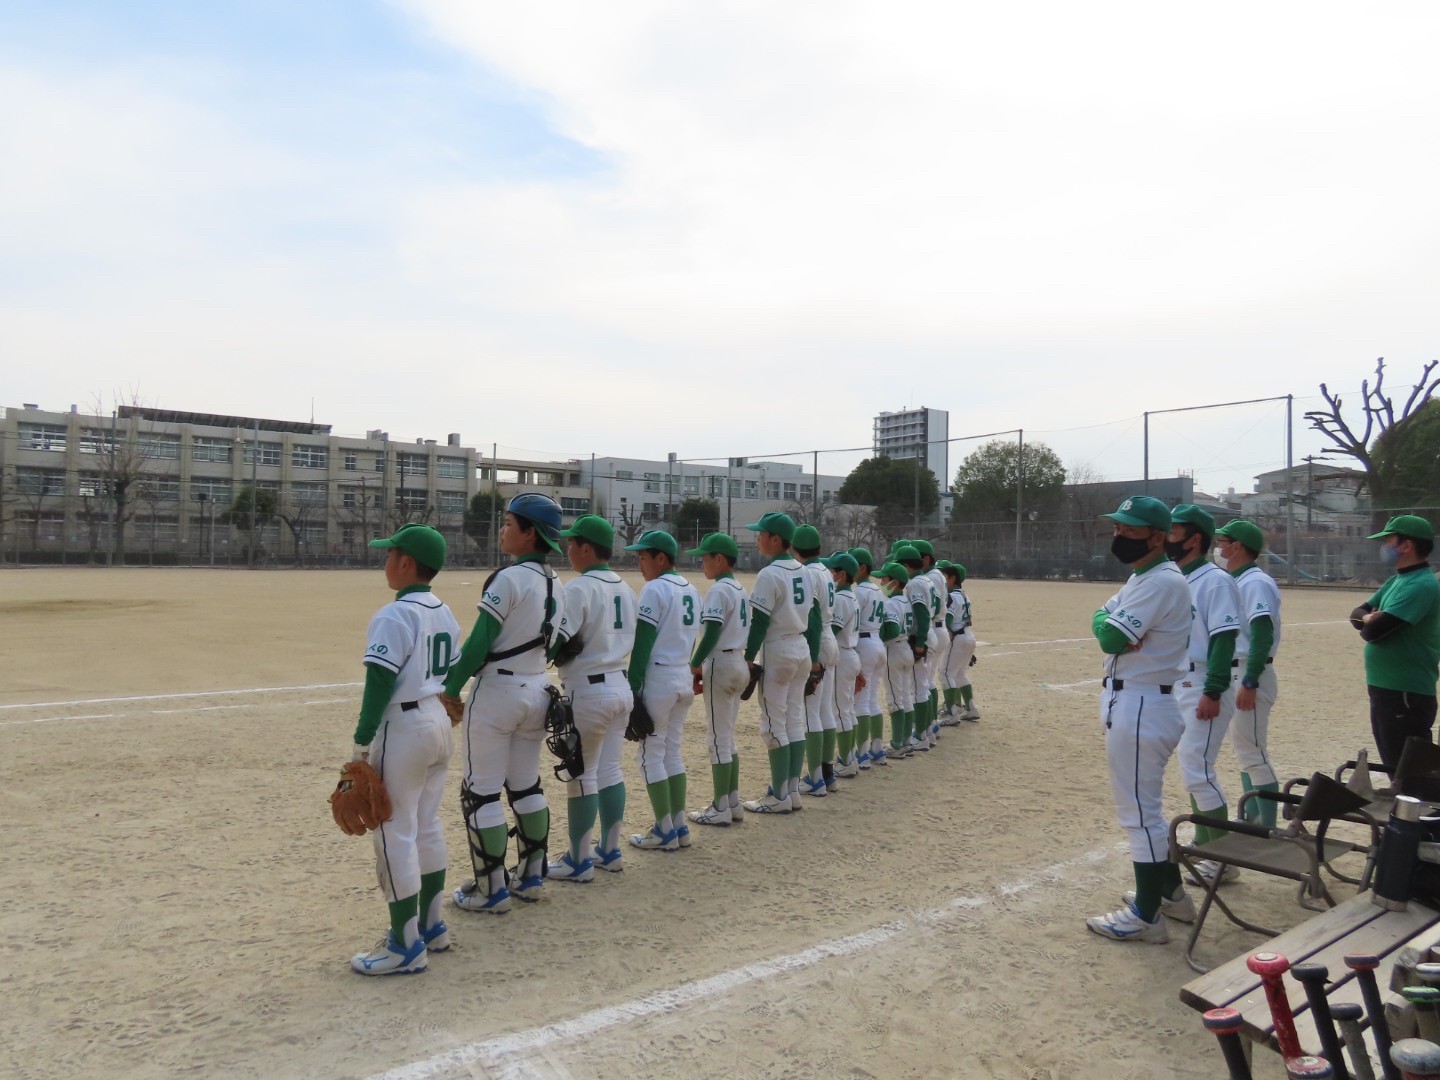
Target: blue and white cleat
(612, 862)
(389, 957)
(470, 897)
(655, 840)
(567, 869)
(1125, 924)
(436, 938)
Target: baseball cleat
(768, 805)
(712, 815)
(897, 753)
(436, 938)
(1125, 924)
(527, 888)
(919, 744)
(737, 812)
(847, 770)
(1181, 909)
(612, 862)
(878, 757)
(389, 957)
(655, 840)
(469, 898)
(972, 714)
(682, 833)
(1206, 869)
(817, 788)
(862, 760)
(567, 869)
(795, 803)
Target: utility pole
(494, 503)
(1019, 488)
(254, 491)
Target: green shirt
(1407, 658)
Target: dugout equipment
(359, 802)
(641, 725)
(562, 737)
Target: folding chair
(1292, 851)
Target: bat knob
(1307, 1068)
(1345, 1011)
(1429, 974)
(1416, 1057)
(1267, 963)
(1222, 1021)
(1362, 961)
(1310, 972)
(1420, 995)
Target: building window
(90, 485)
(573, 480)
(219, 492)
(752, 489)
(203, 449)
(450, 502)
(807, 491)
(411, 500)
(160, 446)
(308, 457)
(624, 474)
(650, 512)
(790, 492)
(413, 464)
(347, 536)
(692, 485)
(452, 468)
(94, 441)
(652, 481)
(42, 437)
(308, 493)
(351, 463)
(159, 489)
(571, 505)
(827, 496)
(38, 483)
(269, 453)
(772, 489)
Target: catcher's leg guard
(489, 890)
(532, 837)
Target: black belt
(502, 671)
(736, 649)
(1236, 663)
(866, 633)
(409, 706)
(1119, 684)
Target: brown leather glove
(359, 802)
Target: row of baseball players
(817, 635)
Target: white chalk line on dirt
(176, 697)
(512, 1056)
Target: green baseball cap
(894, 571)
(905, 553)
(862, 555)
(1142, 510)
(717, 543)
(806, 538)
(924, 547)
(781, 525)
(1190, 514)
(1244, 532)
(959, 570)
(422, 543)
(1412, 526)
(593, 528)
(843, 560)
(656, 540)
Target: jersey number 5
(797, 586)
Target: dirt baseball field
(178, 901)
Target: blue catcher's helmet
(541, 511)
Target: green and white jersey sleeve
(515, 597)
(918, 591)
(727, 604)
(1215, 608)
(416, 637)
(782, 591)
(823, 586)
(870, 605)
(958, 610)
(940, 588)
(1152, 610)
(600, 611)
(844, 619)
(897, 611)
(1259, 596)
(671, 605)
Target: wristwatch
(1250, 684)
(1212, 695)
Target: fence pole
(1019, 489)
(1289, 491)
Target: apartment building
(916, 433)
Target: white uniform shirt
(921, 590)
(418, 638)
(671, 605)
(897, 611)
(959, 610)
(1215, 607)
(942, 587)
(1152, 610)
(1259, 595)
(783, 592)
(870, 602)
(844, 619)
(600, 611)
(515, 597)
(727, 604)
(823, 586)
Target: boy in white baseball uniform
(592, 651)
(938, 641)
(504, 724)
(821, 721)
(719, 663)
(922, 597)
(959, 704)
(1252, 671)
(404, 734)
(896, 631)
(669, 619)
(1142, 630)
(845, 622)
(783, 650)
(1203, 694)
(870, 614)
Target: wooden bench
(1355, 926)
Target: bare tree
(1381, 424)
(849, 526)
(122, 456)
(632, 521)
(32, 488)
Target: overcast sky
(722, 228)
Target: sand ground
(179, 903)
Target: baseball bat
(1364, 965)
(1270, 967)
(756, 673)
(1347, 1016)
(1416, 1059)
(1313, 977)
(1308, 1067)
(1425, 999)
(1224, 1024)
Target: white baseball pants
(668, 692)
(411, 752)
(503, 729)
(1200, 745)
(725, 674)
(1142, 729)
(1250, 731)
(786, 661)
(601, 712)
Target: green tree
(1409, 453)
(482, 515)
(996, 478)
(1389, 447)
(696, 517)
(265, 505)
(892, 486)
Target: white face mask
(1220, 560)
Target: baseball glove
(641, 725)
(454, 708)
(756, 674)
(359, 802)
(972, 660)
(569, 649)
(813, 682)
(697, 681)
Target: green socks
(965, 695)
(1260, 811)
(813, 748)
(735, 780)
(952, 697)
(1203, 833)
(432, 889)
(827, 746)
(495, 841)
(612, 813)
(797, 761)
(582, 810)
(779, 770)
(659, 793)
(720, 783)
(404, 920)
(846, 741)
(1149, 886)
(678, 784)
(534, 826)
(897, 729)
